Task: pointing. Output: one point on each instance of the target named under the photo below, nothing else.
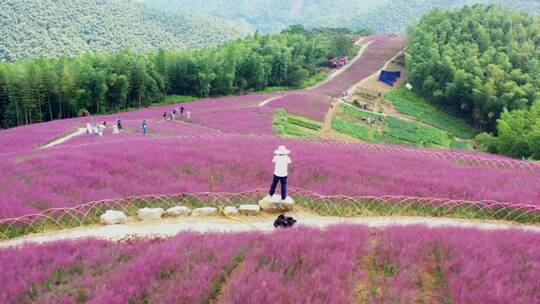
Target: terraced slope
(227, 145)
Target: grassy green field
(170, 99)
(313, 80)
(359, 131)
(392, 130)
(286, 125)
(409, 103)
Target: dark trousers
(283, 181)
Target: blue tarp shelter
(389, 77)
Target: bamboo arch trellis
(336, 205)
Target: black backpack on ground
(284, 221)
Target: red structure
(337, 63)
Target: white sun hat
(282, 150)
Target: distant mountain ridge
(68, 28)
(273, 15)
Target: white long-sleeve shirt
(282, 162)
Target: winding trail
(267, 101)
(63, 139)
(354, 87)
(347, 66)
(329, 78)
(169, 227)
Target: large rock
(205, 211)
(178, 211)
(113, 217)
(275, 203)
(230, 210)
(148, 214)
(250, 209)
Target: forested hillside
(46, 89)
(273, 15)
(64, 27)
(479, 62)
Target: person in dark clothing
(164, 115)
(119, 123)
(181, 110)
(284, 221)
(145, 127)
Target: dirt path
(329, 77)
(358, 84)
(267, 101)
(327, 131)
(344, 68)
(383, 114)
(63, 139)
(327, 125)
(168, 227)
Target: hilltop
(53, 28)
(273, 15)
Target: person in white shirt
(281, 161)
(89, 128)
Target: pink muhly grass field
(307, 266)
(466, 266)
(341, 264)
(67, 176)
(381, 50)
(29, 137)
(249, 120)
(227, 146)
(312, 106)
(25, 138)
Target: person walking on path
(145, 127)
(100, 129)
(164, 116)
(281, 161)
(119, 123)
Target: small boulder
(148, 214)
(230, 210)
(250, 209)
(275, 203)
(113, 217)
(178, 211)
(205, 211)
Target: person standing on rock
(281, 161)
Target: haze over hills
(63, 27)
(52, 28)
(273, 15)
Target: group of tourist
(177, 110)
(168, 117)
(100, 128)
(97, 129)
(345, 95)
